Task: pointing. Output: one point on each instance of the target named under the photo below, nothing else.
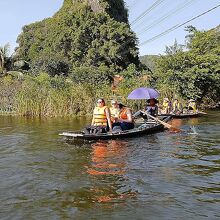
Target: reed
(49, 96)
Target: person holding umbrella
(148, 94)
(152, 107)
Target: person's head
(152, 102)
(101, 102)
(121, 106)
(166, 100)
(114, 103)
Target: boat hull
(185, 115)
(142, 129)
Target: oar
(162, 122)
(202, 113)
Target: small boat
(185, 115)
(141, 128)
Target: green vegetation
(64, 63)
(44, 95)
(5, 61)
(150, 61)
(194, 73)
(82, 38)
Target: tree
(194, 73)
(82, 34)
(4, 59)
(175, 48)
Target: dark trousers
(96, 129)
(124, 125)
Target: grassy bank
(45, 96)
(55, 96)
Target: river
(160, 176)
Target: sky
(159, 16)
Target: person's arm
(129, 114)
(108, 115)
(92, 123)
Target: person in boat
(152, 107)
(166, 107)
(177, 107)
(192, 106)
(114, 109)
(125, 120)
(101, 120)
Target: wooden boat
(141, 128)
(185, 115)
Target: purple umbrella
(144, 93)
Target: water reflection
(159, 176)
(108, 165)
(108, 158)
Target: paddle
(162, 122)
(203, 113)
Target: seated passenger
(125, 120)
(101, 121)
(114, 109)
(166, 108)
(192, 106)
(177, 107)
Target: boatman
(101, 120)
(152, 107)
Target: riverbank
(45, 96)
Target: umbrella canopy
(144, 93)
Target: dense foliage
(82, 38)
(149, 61)
(194, 73)
(64, 63)
(44, 95)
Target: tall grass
(49, 96)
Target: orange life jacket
(100, 116)
(123, 114)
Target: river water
(160, 176)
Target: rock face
(115, 8)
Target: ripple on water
(161, 176)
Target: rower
(152, 107)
